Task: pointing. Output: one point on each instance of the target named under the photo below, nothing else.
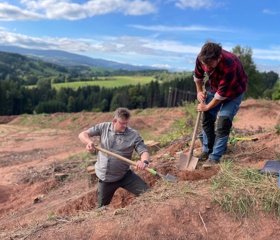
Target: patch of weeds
(138, 111)
(243, 192)
(168, 156)
(51, 216)
(84, 159)
(86, 118)
(72, 127)
(232, 138)
(80, 156)
(188, 190)
(277, 129)
(182, 127)
(32, 175)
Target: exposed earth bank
(47, 193)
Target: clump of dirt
(37, 205)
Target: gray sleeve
(140, 147)
(97, 129)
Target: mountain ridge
(65, 58)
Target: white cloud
(269, 54)
(195, 4)
(161, 28)
(269, 11)
(64, 9)
(11, 13)
(165, 66)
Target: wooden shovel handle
(152, 171)
(194, 136)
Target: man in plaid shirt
(225, 85)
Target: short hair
(210, 52)
(122, 113)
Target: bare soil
(36, 204)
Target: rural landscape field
(47, 193)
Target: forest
(18, 72)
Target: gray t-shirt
(107, 167)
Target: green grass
(245, 191)
(180, 128)
(111, 82)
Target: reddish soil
(36, 204)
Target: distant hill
(15, 64)
(67, 59)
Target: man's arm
(145, 157)
(85, 138)
(201, 95)
(202, 107)
(144, 161)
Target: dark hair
(122, 113)
(210, 52)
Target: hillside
(34, 204)
(67, 59)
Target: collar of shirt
(116, 133)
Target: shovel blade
(187, 162)
(169, 177)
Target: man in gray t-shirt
(113, 173)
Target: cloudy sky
(164, 33)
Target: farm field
(107, 82)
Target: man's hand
(90, 147)
(140, 165)
(202, 107)
(201, 96)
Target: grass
(181, 127)
(113, 82)
(243, 192)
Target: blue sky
(163, 33)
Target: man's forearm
(213, 103)
(84, 137)
(145, 156)
(199, 87)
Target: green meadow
(107, 82)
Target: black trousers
(130, 181)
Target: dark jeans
(130, 181)
(215, 138)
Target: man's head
(210, 55)
(120, 119)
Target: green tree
(276, 92)
(71, 104)
(271, 79)
(256, 82)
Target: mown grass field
(107, 82)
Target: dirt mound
(35, 204)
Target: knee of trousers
(223, 127)
(207, 121)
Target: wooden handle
(194, 136)
(152, 171)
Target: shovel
(188, 161)
(168, 177)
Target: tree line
(16, 99)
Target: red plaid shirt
(228, 80)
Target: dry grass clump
(244, 191)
